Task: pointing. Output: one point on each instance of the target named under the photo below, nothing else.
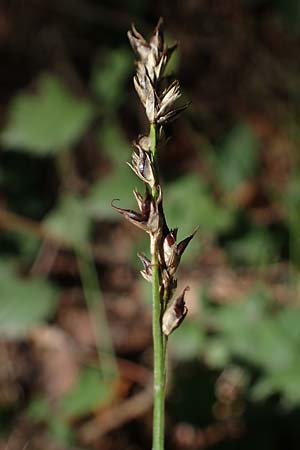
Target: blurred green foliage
(256, 248)
(108, 79)
(251, 333)
(89, 393)
(70, 210)
(237, 159)
(47, 122)
(23, 302)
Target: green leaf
(269, 340)
(61, 431)
(88, 393)
(252, 334)
(109, 76)
(46, 122)
(289, 320)
(69, 220)
(23, 302)
(39, 409)
(237, 158)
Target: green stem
(159, 341)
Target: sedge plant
(158, 94)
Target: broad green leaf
(23, 302)
(252, 332)
(69, 220)
(237, 158)
(109, 76)
(48, 121)
(89, 392)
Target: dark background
(75, 317)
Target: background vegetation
(75, 323)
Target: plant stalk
(159, 339)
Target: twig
(12, 221)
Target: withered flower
(132, 216)
(147, 272)
(168, 98)
(145, 90)
(143, 142)
(172, 251)
(148, 219)
(142, 166)
(174, 314)
(171, 115)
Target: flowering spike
(158, 95)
